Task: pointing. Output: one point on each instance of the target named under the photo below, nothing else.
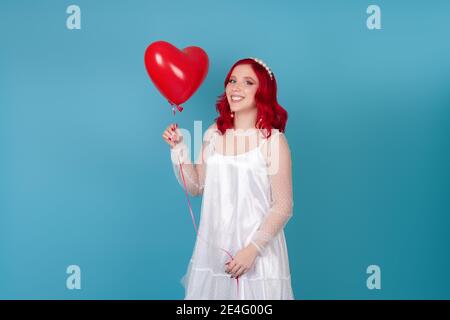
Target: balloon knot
(179, 107)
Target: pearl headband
(265, 67)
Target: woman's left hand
(242, 261)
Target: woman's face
(241, 88)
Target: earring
(232, 114)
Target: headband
(265, 67)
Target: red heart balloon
(177, 74)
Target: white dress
(237, 198)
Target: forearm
(186, 173)
(275, 221)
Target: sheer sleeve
(280, 174)
(193, 173)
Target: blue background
(86, 179)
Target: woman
(244, 175)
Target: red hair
(271, 113)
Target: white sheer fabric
(194, 173)
(281, 209)
(247, 198)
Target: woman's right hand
(172, 135)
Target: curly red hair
(271, 113)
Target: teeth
(236, 98)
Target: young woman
(244, 175)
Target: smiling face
(241, 88)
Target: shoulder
(281, 141)
(276, 135)
(210, 132)
(213, 126)
(275, 145)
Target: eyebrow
(244, 77)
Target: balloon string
(193, 219)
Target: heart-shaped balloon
(177, 74)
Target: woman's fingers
(177, 135)
(168, 139)
(170, 135)
(235, 268)
(167, 136)
(240, 272)
(174, 132)
(172, 129)
(230, 266)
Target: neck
(245, 119)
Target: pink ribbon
(195, 225)
(179, 107)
